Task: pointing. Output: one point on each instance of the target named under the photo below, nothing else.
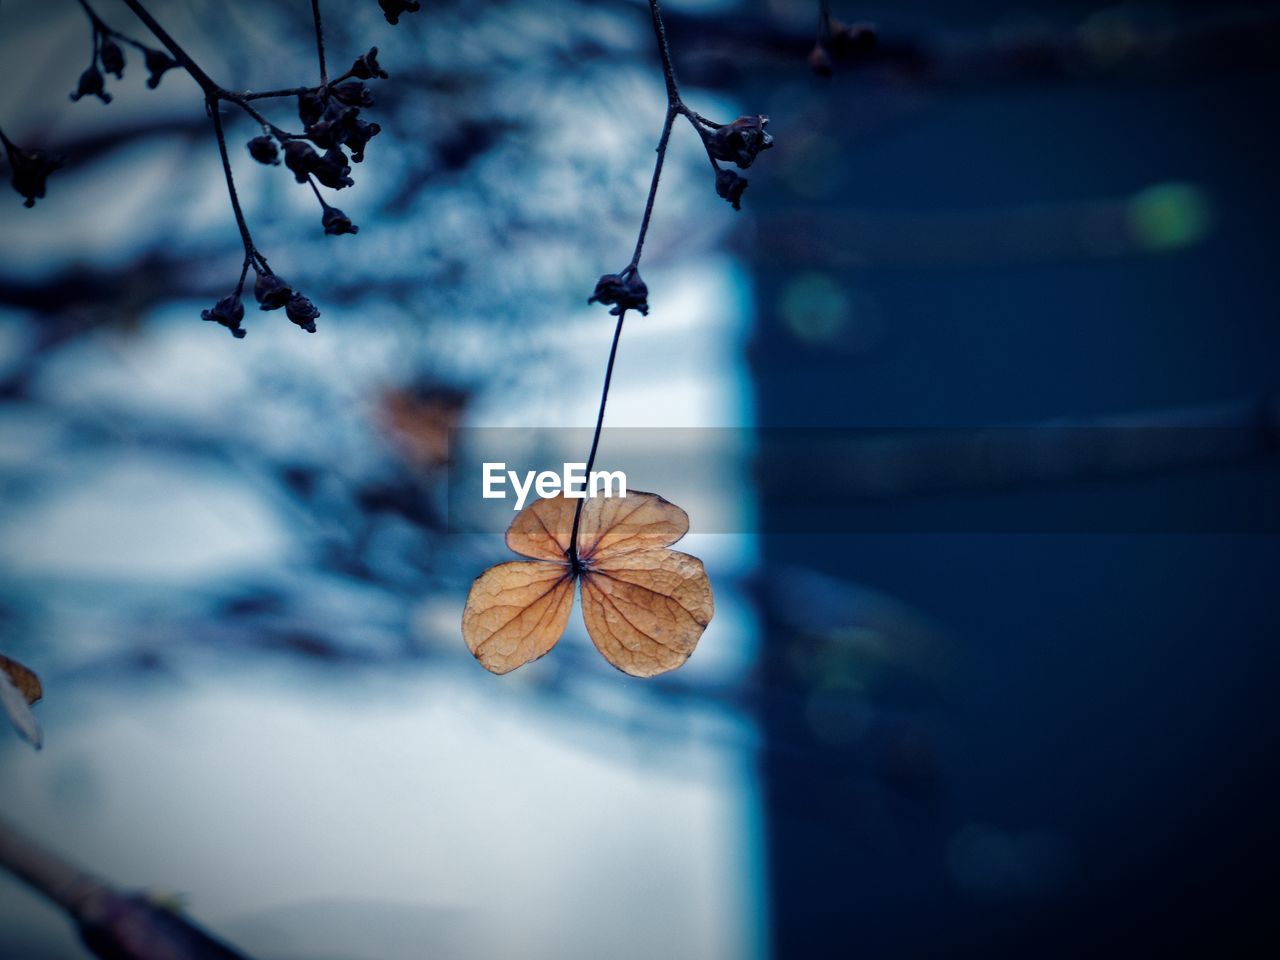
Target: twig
(315, 15)
(112, 925)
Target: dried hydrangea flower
(228, 311)
(741, 141)
(367, 67)
(264, 150)
(625, 291)
(337, 223)
(112, 58)
(92, 84)
(730, 185)
(31, 168)
(393, 9)
(303, 312)
(271, 292)
(158, 64)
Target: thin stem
(210, 88)
(653, 186)
(273, 94)
(574, 563)
(316, 191)
(97, 21)
(250, 252)
(664, 50)
(315, 15)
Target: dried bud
(392, 9)
(92, 85)
(228, 311)
(31, 168)
(337, 223)
(264, 150)
(112, 58)
(271, 292)
(353, 93)
(301, 158)
(335, 127)
(158, 63)
(358, 138)
(820, 60)
(302, 312)
(367, 67)
(730, 186)
(741, 141)
(310, 107)
(332, 170)
(626, 291)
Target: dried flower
(337, 223)
(228, 311)
(264, 150)
(112, 58)
(741, 141)
(271, 292)
(158, 63)
(31, 168)
(353, 93)
(332, 170)
(393, 9)
(302, 312)
(367, 67)
(310, 107)
(334, 128)
(358, 138)
(730, 186)
(92, 84)
(300, 157)
(625, 290)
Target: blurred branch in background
(113, 926)
(1112, 42)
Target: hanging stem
(675, 107)
(574, 563)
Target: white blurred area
(433, 820)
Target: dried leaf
(19, 688)
(646, 610)
(645, 606)
(639, 521)
(516, 612)
(24, 679)
(542, 529)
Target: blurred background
(1018, 704)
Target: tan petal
(25, 680)
(646, 609)
(543, 528)
(19, 688)
(516, 612)
(612, 526)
